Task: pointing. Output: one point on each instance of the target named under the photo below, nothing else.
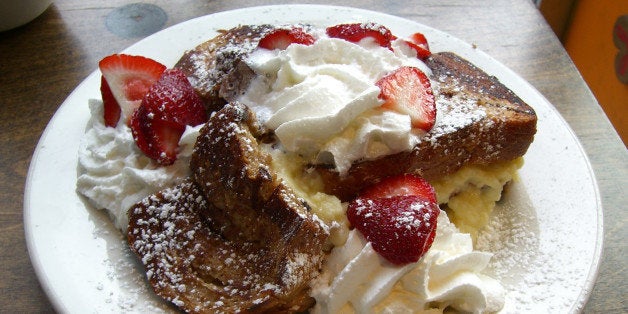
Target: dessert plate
(546, 234)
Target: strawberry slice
(400, 225)
(129, 78)
(158, 139)
(408, 90)
(401, 185)
(355, 32)
(111, 108)
(170, 104)
(173, 98)
(282, 38)
(418, 42)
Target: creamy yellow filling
(291, 168)
(468, 195)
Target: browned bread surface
(208, 63)
(233, 238)
(237, 175)
(480, 121)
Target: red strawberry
(357, 31)
(282, 38)
(111, 108)
(419, 43)
(170, 104)
(401, 185)
(408, 90)
(398, 216)
(400, 228)
(173, 98)
(158, 139)
(129, 78)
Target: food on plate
(398, 217)
(233, 237)
(341, 168)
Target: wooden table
(42, 62)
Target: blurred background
(595, 35)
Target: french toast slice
(480, 121)
(233, 237)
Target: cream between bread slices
(321, 101)
(468, 195)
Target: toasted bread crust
(238, 177)
(208, 63)
(503, 131)
(232, 238)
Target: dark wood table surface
(42, 62)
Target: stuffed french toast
(318, 149)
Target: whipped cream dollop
(356, 279)
(322, 102)
(114, 174)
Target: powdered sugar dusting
(454, 111)
(512, 236)
(525, 261)
(209, 68)
(124, 285)
(160, 233)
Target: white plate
(547, 235)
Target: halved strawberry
(173, 98)
(111, 108)
(401, 227)
(282, 38)
(408, 90)
(418, 42)
(355, 32)
(170, 104)
(129, 78)
(158, 139)
(401, 185)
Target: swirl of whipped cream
(114, 174)
(357, 280)
(322, 102)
